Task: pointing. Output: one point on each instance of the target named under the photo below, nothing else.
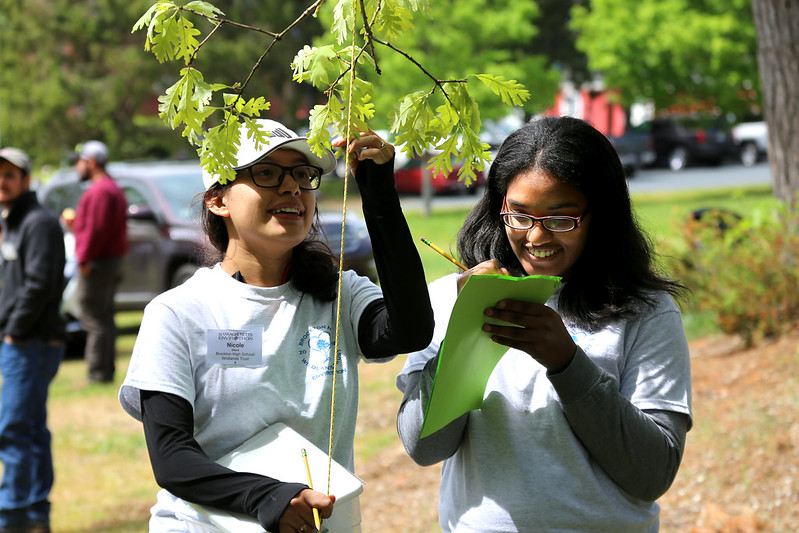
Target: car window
(181, 192)
(60, 197)
(644, 127)
(135, 197)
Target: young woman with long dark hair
(274, 292)
(584, 418)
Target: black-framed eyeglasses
(270, 175)
(557, 224)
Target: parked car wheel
(474, 189)
(749, 154)
(679, 140)
(76, 339)
(678, 158)
(751, 139)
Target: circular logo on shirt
(314, 348)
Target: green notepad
(468, 355)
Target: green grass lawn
(663, 215)
(103, 476)
(441, 228)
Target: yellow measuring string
(341, 252)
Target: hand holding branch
(368, 146)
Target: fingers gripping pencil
(316, 520)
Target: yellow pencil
(316, 522)
(445, 254)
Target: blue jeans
(27, 368)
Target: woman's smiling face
(272, 219)
(540, 251)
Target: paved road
(645, 181)
(729, 175)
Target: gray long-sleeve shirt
(587, 449)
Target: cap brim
(248, 156)
(279, 137)
(18, 161)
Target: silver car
(166, 243)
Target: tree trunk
(777, 25)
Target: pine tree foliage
(211, 115)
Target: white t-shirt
(519, 466)
(240, 385)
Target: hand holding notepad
(277, 452)
(468, 355)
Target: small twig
(419, 65)
(194, 55)
(278, 37)
(438, 83)
(369, 41)
(332, 86)
(367, 28)
(220, 20)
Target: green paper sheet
(468, 355)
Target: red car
(408, 174)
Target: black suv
(682, 140)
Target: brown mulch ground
(740, 473)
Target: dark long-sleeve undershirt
(406, 324)
(181, 467)
(640, 450)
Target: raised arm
(403, 320)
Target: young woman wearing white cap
(276, 282)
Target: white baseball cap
(17, 157)
(94, 151)
(278, 136)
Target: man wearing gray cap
(32, 347)
(101, 241)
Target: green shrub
(743, 270)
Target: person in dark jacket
(32, 348)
